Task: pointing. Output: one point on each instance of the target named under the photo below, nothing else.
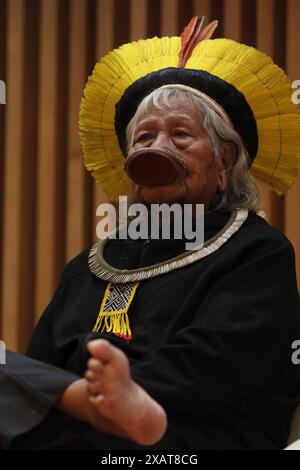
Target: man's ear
(226, 161)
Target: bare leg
(116, 397)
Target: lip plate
(153, 167)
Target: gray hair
(242, 189)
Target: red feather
(192, 35)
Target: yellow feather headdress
(265, 86)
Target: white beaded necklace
(103, 270)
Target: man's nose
(161, 140)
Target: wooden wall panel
(203, 8)
(212, 10)
(51, 162)
(138, 19)
(19, 173)
(48, 201)
(104, 41)
(239, 20)
(12, 193)
(232, 24)
(79, 185)
(168, 22)
(3, 34)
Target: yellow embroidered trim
(113, 316)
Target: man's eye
(180, 133)
(143, 137)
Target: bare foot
(115, 396)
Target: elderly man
(186, 349)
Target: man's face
(178, 131)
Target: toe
(91, 376)
(101, 349)
(97, 399)
(94, 388)
(95, 365)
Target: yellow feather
(265, 86)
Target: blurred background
(47, 199)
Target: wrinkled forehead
(161, 104)
(171, 116)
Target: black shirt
(211, 341)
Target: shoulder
(77, 266)
(258, 233)
(258, 243)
